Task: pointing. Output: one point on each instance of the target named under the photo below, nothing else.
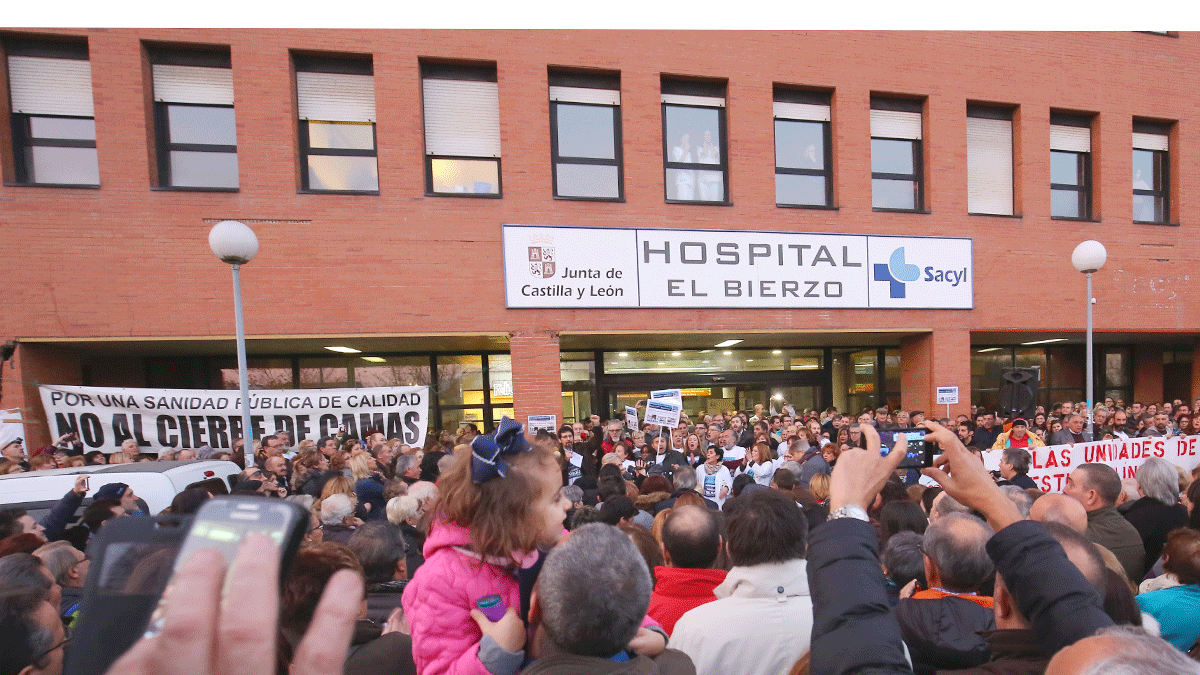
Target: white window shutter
(193, 84)
(801, 111)
(895, 124)
(1150, 141)
(45, 86)
(462, 118)
(585, 95)
(682, 99)
(335, 97)
(989, 166)
(1070, 139)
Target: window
(694, 153)
(896, 157)
(462, 130)
(989, 160)
(803, 155)
(585, 136)
(53, 121)
(1151, 173)
(1070, 166)
(336, 105)
(195, 130)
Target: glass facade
(1062, 373)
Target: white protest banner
(631, 418)
(104, 417)
(574, 267)
(1051, 465)
(539, 422)
(662, 413)
(672, 396)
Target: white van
(156, 483)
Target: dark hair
(610, 486)
(99, 512)
(379, 546)
(647, 545)
(429, 466)
(901, 516)
(691, 535)
(893, 491)
(740, 483)
(786, 480)
(903, 559)
(90, 457)
(189, 501)
(766, 526)
(8, 522)
(1104, 480)
(22, 637)
(1193, 495)
(1119, 603)
(305, 582)
(1019, 458)
(615, 508)
(1182, 553)
(20, 571)
(584, 515)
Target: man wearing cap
(120, 491)
(1017, 437)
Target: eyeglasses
(37, 658)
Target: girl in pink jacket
(498, 505)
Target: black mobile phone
(919, 453)
(132, 559)
(222, 523)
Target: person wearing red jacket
(691, 540)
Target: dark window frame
(1162, 161)
(556, 158)
(826, 173)
(471, 72)
(698, 166)
(163, 147)
(23, 141)
(342, 65)
(1084, 189)
(918, 150)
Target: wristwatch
(851, 511)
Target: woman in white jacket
(713, 480)
(761, 464)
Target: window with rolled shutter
(897, 173)
(195, 123)
(695, 154)
(462, 130)
(990, 162)
(585, 135)
(1070, 166)
(1151, 172)
(54, 130)
(803, 160)
(335, 100)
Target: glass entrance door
(771, 390)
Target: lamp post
(235, 243)
(1088, 257)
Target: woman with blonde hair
(118, 458)
(818, 485)
(368, 485)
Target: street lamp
(1088, 257)
(236, 244)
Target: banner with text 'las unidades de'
(104, 417)
(1050, 465)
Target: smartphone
(132, 560)
(492, 607)
(920, 453)
(87, 483)
(223, 522)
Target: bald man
(1122, 649)
(1064, 510)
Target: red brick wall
(125, 261)
(934, 360)
(537, 387)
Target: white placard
(947, 395)
(672, 396)
(570, 267)
(538, 422)
(631, 418)
(157, 419)
(662, 413)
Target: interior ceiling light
(727, 353)
(989, 349)
(1045, 342)
(344, 350)
(705, 351)
(374, 359)
(676, 354)
(777, 351)
(728, 343)
(623, 354)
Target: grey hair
(573, 493)
(1140, 653)
(402, 509)
(1159, 480)
(593, 591)
(58, 557)
(955, 543)
(335, 508)
(1019, 458)
(685, 480)
(303, 501)
(948, 505)
(379, 546)
(799, 445)
(1130, 486)
(794, 467)
(404, 463)
(1020, 497)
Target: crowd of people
(742, 542)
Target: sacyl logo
(897, 272)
